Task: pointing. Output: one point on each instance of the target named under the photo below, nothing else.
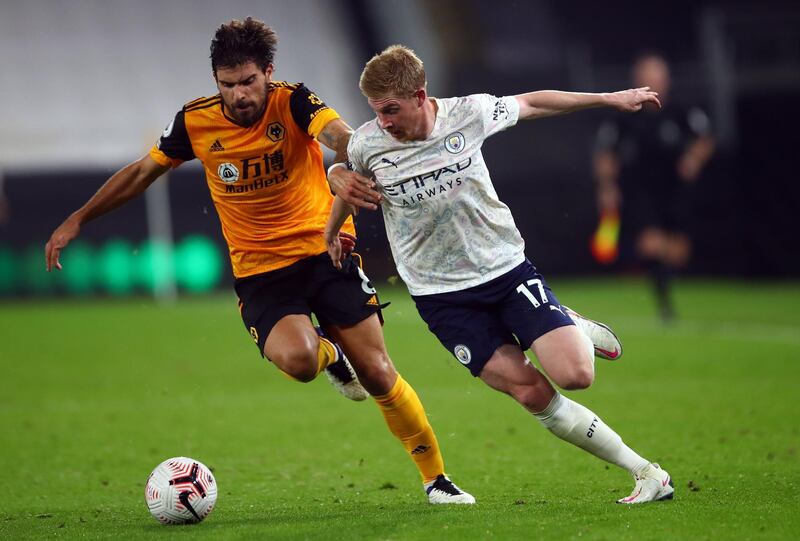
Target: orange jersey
(267, 181)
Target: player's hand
(58, 241)
(632, 100)
(340, 245)
(355, 189)
(348, 243)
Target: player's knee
(580, 376)
(377, 374)
(298, 363)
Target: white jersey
(447, 229)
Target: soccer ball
(180, 490)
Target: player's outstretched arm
(546, 103)
(123, 185)
(334, 238)
(355, 189)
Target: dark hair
(239, 42)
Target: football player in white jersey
(461, 256)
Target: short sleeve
(497, 114)
(173, 147)
(355, 161)
(309, 112)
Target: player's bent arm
(355, 189)
(123, 186)
(544, 103)
(336, 135)
(340, 210)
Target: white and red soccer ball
(180, 490)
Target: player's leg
(606, 344)
(567, 357)
(399, 404)
(348, 309)
(510, 372)
(302, 351)
(652, 246)
(678, 249)
(529, 309)
(647, 211)
(294, 346)
(532, 312)
(365, 347)
(275, 311)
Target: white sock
(579, 426)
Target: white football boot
(443, 491)
(652, 484)
(606, 344)
(341, 374)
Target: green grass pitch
(95, 393)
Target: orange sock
(326, 354)
(407, 420)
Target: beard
(247, 112)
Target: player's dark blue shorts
(312, 285)
(515, 308)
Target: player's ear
(420, 95)
(269, 69)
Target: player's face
(244, 90)
(653, 71)
(403, 118)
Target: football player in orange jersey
(258, 143)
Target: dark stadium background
(108, 367)
(740, 60)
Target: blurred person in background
(259, 143)
(462, 257)
(646, 167)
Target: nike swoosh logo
(632, 497)
(665, 482)
(613, 354)
(184, 499)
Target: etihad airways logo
(427, 185)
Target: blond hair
(396, 72)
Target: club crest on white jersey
(454, 143)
